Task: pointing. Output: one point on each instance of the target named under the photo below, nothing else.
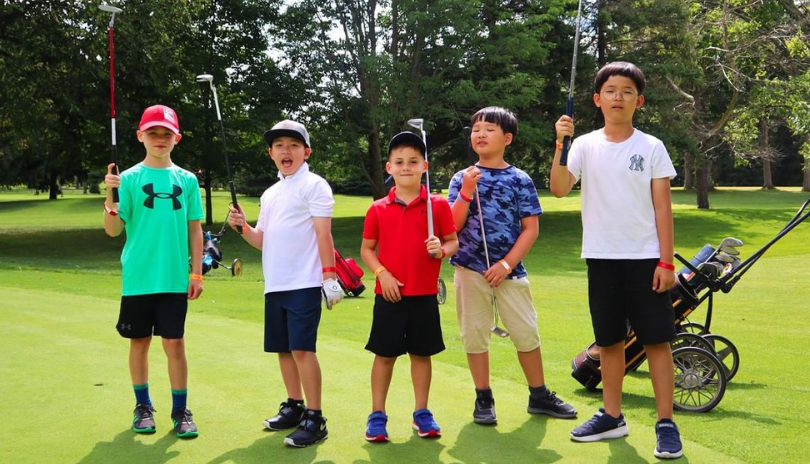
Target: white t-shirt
(618, 217)
(290, 258)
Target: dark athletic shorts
(410, 326)
(161, 314)
(620, 291)
(291, 320)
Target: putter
(569, 108)
(419, 123)
(210, 79)
(114, 146)
(503, 333)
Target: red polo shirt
(401, 231)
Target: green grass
(67, 398)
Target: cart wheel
(700, 379)
(442, 293)
(690, 339)
(726, 352)
(693, 327)
(236, 267)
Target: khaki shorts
(475, 312)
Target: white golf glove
(332, 293)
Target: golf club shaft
(569, 109)
(225, 153)
(114, 144)
(427, 186)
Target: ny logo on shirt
(149, 189)
(637, 163)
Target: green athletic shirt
(156, 205)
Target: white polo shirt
(618, 217)
(290, 258)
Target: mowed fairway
(67, 397)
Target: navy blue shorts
(411, 325)
(620, 291)
(291, 320)
(161, 314)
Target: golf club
(210, 79)
(114, 147)
(495, 329)
(569, 109)
(418, 123)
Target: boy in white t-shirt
(294, 232)
(628, 244)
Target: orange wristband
(378, 271)
(667, 266)
(559, 145)
(196, 277)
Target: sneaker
(548, 403)
(484, 412)
(184, 425)
(144, 419)
(669, 440)
(599, 427)
(375, 428)
(425, 425)
(289, 415)
(311, 430)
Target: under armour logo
(636, 163)
(126, 326)
(149, 189)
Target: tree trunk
(767, 176)
(709, 178)
(702, 184)
(209, 209)
(53, 187)
(806, 183)
(688, 169)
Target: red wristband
(464, 198)
(329, 269)
(444, 252)
(667, 266)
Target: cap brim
(273, 134)
(149, 125)
(410, 138)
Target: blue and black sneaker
(425, 425)
(143, 420)
(375, 427)
(669, 440)
(311, 430)
(184, 425)
(600, 427)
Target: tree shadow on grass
(271, 445)
(126, 449)
(485, 444)
(416, 449)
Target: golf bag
(348, 275)
(212, 255)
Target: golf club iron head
(730, 241)
(416, 123)
(724, 258)
(730, 250)
(711, 269)
(109, 8)
(206, 78)
(499, 331)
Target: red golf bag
(348, 275)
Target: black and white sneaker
(484, 412)
(311, 430)
(289, 415)
(600, 427)
(668, 440)
(544, 401)
(143, 420)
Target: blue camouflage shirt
(507, 196)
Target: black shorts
(620, 291)
(291, 320)
(161, 314)
(410, 326)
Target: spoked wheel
(690, 339)
(700, 379)
(442, 291)
(726, 352)
(236, 267)
(693, 327)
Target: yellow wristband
(379, 271)
(196, 277)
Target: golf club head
(730, 250)
(416, 123)
(205, 78)
(724, 258)
(711, 269)
(730, 241)
(499, 331)
(109, 8)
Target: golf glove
(332, 293)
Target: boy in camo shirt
(509, 204)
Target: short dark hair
(620, 68)
(502, 117)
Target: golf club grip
(114, 161)
(569, 111)
(235, 205)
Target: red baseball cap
(159, 115)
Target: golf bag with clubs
(348, 275)
(212, 255)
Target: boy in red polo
(406, 263)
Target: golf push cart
(212, 255)
(704, 362)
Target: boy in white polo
(294, 233)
